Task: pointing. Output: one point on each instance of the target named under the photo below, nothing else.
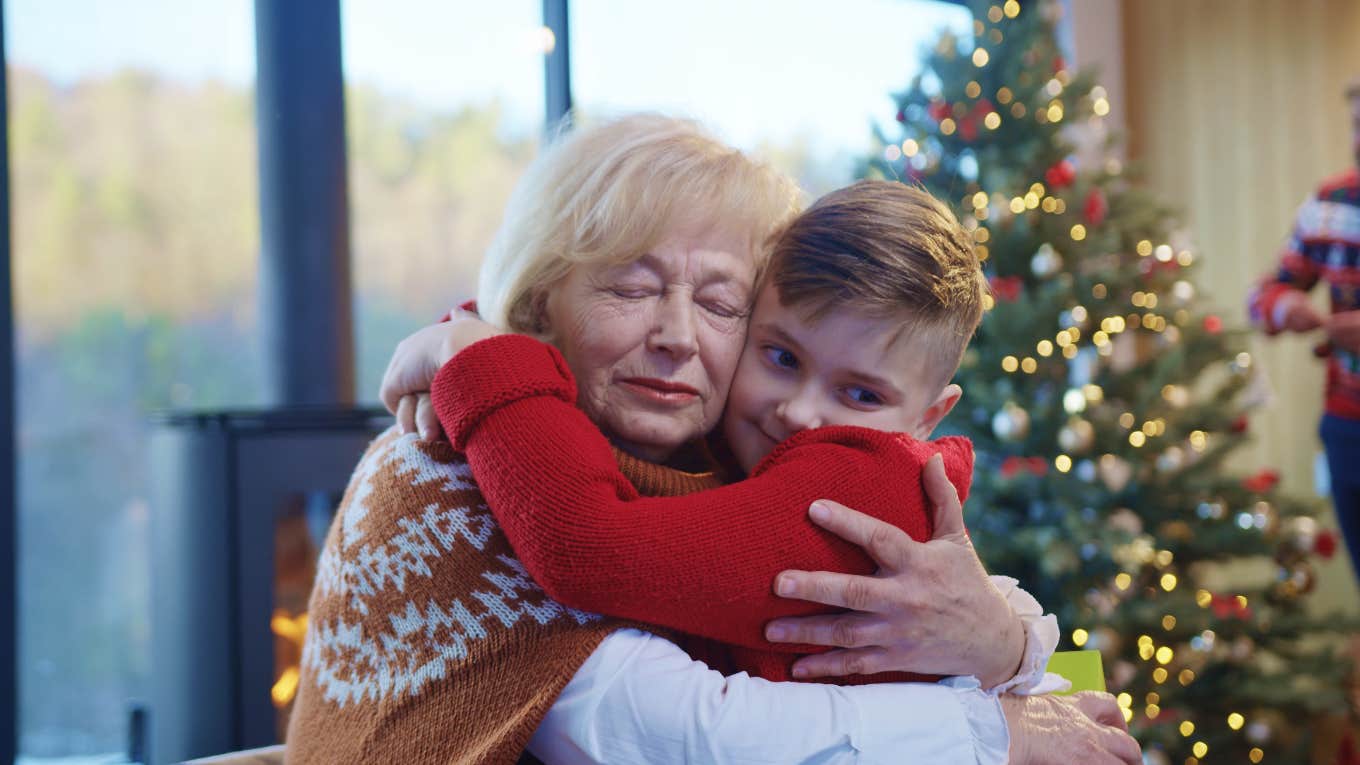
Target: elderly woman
(429, 643)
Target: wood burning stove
(241, 504)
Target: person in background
(1325, 247)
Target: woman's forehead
(696, 261)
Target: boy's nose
(798, 413)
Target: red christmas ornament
(901, 115)
(1347, 753)
(1096, 207)
(1324, 544)
(968, 128)
(1007, 288)
(1213, 325)
(1060, 175)
(1262, 481)
(1240, 424)
(938, 110)
(1059, 64)
(1229, 607)
(1013, 466)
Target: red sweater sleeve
(703, 563)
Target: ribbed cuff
(494, 372)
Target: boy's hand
(1343, 329)
(417, 360)
(929, 609)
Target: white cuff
(971, 731)
(991, 741)
(1041, 639)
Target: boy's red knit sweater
(703, 564)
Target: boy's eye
(864, 397)
(781, 357)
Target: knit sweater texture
(703, 564)
(428, 642)
(1323, 247)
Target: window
(135, 240)
(444, 105)
(799, 82)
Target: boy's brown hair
(885, 250)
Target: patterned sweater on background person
(1324, 246)
(703, 564)
(427, 642)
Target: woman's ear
(538, 315)
(937, 410)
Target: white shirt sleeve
(640, 698)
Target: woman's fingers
(945, 509)
(1120, 744)
(857, 593)
(406, 414)
(1100, 707)
(847, 630)
(889, 546)
(426, 419)
(850, 661)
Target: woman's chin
(651, 436)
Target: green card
(1082, 668)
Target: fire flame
(292, 629)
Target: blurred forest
(136, 233)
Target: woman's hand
(418, 358)
(1086, 727)
(930, 608)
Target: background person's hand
(1296, 313)
(416, 361)
(930, 608)
(1343, 329)
(1086, 727)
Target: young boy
(861, 319)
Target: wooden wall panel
(1235, 112)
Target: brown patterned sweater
(427, 641)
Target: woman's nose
(674, 327)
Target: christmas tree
(1103, 401)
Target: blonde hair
(889, 251)
(611, 192)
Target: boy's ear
(937, 410)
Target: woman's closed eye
(781, 358)
(722, 310)
(632, 291)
